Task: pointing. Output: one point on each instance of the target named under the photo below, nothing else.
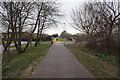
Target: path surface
(60, 63)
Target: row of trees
(17, 17)
(100, 23)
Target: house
(5, 35)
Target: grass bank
(98, 65)
(22, 65)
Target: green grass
(62, 39)
(100, 68)
(23, 64)
(102, 56)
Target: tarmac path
(59, 62)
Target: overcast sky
(66, 8)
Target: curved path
(59, 62)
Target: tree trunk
(33, 29)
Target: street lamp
(64, 26)
(64, 30)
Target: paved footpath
(59, 62)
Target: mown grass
(62, 39)
(98, 65)
(21, 65)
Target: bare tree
(14, 17)
(106, 16)
(99, 20)
(82, 20)
(50, 11)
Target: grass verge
(22, 65)
(99, 68)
